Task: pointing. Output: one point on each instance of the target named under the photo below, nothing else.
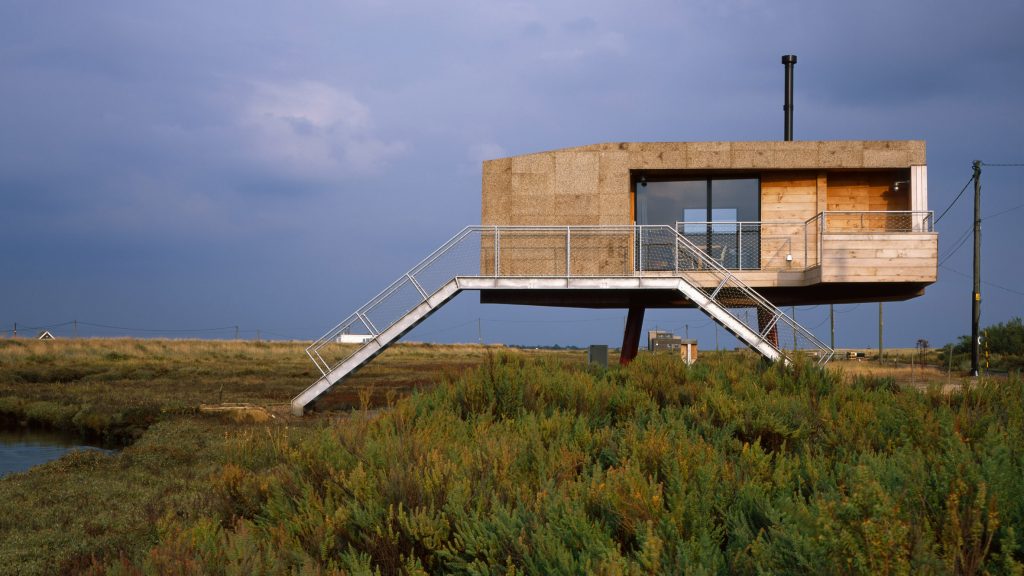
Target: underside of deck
(615, 297)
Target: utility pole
(15, 330)
(976, 293)
(479, 332)
(881, 350)
(76, 328)
(236, 332)
(832, 322)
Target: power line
(971, 179)
(959, 240)
(966, 234)
(157, 330)
(47, 326)
(992, 284)
(819, 324)
(573, 321)
(448, 329)
(963, 239)
(1000, 213)
(1015, 164)
(126, 329)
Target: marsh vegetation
(515, 463)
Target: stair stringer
(378, 344)
(446, 293)
(726, 320)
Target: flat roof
(774, 154)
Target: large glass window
(718, 214)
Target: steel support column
(631, 335)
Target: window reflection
(718, 214)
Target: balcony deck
(835, 257)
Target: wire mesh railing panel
(812, 242)
(656, 250)
(746, 306)
(340, 343)
(591, 251)
(867, 222)
(383, 313)
(782, 246)
(768, 245)
(600, 252)
(533, 252)
(461, 258)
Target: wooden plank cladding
(867, 190)
(789, 196)
(879, 257)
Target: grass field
(505, 461)
(147, 394)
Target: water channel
(23, 448)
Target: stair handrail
(709, 264)
(313, 349)
(726, 275)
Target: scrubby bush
(541, 467)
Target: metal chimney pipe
(789, 60)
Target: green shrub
(539, 466)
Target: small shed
(688, 351)
(45, 335)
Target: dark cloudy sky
(271, 165)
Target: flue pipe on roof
(789, 60)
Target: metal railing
(569, 252)
(873, 222)
(772, 245)
(792, 245)
(758, 314)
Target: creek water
(21, 449)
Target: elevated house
(801, 222)
(736, 229)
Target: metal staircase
(556, 258)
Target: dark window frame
(712, 238)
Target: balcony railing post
(568, 242)
(640, 250)
(821, 238)
(739, 247)
(675, 251)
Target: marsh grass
(146, 395)
(544, 466)
(112, 389)
(514, 462)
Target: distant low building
(353, 338)
(659, 341)
(45, 335)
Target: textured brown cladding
(590, 185)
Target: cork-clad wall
(590, 185)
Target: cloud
(316, 130)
